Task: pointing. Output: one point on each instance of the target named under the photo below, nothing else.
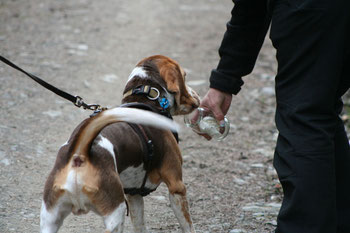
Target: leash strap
(76, 100)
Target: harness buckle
(141, 90)
(156, 90)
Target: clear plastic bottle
(202, 121)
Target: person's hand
(218, 103)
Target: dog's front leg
(179, 204)
(136, 207)
(178, 200)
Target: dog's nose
(196, 104)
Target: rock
(53, 113)
(110, 78)
(273, 222)
(86, 84)
(158, 198)
(345, 118)
(245, 119)
(254, 94)
(271, 173)
(264, 152)
(274, 198)
(268, 91)
(239, 181)
(270, 208)
(5, 161)
(233, 127)
(196, 82)
(82, 47)
(237, 231)
(266, 77)
(257, 165)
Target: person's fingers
(206, 136)
(195, 117)
(218, 114)
(216, 102)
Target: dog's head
(182, 98)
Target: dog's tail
(94, 125)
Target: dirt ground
(89, 48)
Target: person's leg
(342, 155)
(342, 160)
(308, 36)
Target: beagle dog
(117, 156)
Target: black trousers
(312, 156)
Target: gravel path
(89, 48)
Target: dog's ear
(171, 77)
(185, 99)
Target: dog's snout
(196, 104)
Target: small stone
(254, 94)
(159, 198)
(239, 181)
(266, 77)
(263, 152)
(233, 127)
(245, 119)
(274, 198)
(87, 84)
(196, 82)
(345, 118)
(53, 113)
(82, 47)
(6, 162)
(257, 165)
(237, 231)
(271, 208)
(110, 78)
(268, 91)
(273, 223)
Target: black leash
(76, 100)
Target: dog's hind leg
(52, 219)
(136, 207)
(114, 221)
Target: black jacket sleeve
(241, 44)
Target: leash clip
(93, 107)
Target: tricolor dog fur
(105, 156)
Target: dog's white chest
(132, 177)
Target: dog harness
(147, 147)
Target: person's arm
(239, 49)
(241, 44)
